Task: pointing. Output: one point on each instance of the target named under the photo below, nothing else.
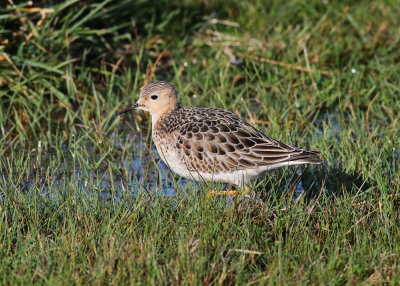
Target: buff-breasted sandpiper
(212, 144)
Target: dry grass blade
(285, 65)
(151, 70)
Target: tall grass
(84, 198)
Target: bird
(212, 144)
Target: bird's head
(158, 98)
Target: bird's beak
(132, 107)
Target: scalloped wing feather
(215, 140)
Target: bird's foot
(214, 193)
(233, 193)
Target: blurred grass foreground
(84, 198)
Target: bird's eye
(154, 97)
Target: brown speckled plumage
(215, 140)
(212, 143)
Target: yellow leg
(214, 193)
(233, 193)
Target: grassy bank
(84, 198)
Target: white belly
(174, 161)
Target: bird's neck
(160, 119)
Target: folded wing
(215, 140)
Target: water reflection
(135, 169)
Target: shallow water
(135, 168)
(137, 171)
